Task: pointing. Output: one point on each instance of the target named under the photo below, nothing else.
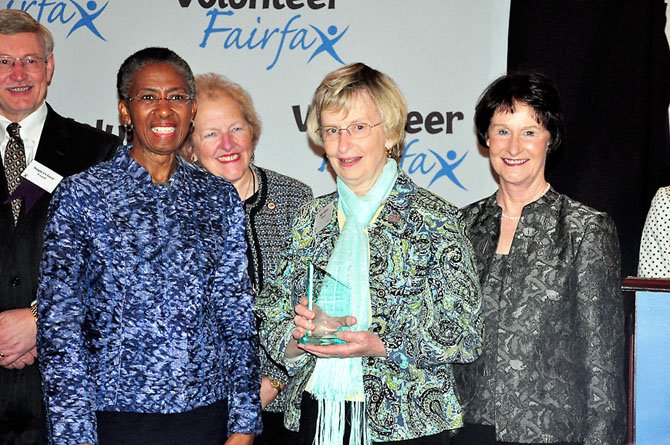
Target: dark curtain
(611, 63)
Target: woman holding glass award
(395, 259)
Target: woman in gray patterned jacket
(552, 370)
(227, 129)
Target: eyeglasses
(151, 101)
(356, 131)
(31, 64)
(211, 137)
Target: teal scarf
(335, 380)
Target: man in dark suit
(57, 144)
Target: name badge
(42, 176)
(323, 217)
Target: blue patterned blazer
(425, 302)
(144, 300)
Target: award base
(322, 340)
(330, 301)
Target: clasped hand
(17, 338)
(359, 343)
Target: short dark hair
(529, 88)
(146, 56)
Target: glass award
(330, 300)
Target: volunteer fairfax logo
(261, 4)
(76, 13)
(294, 35)
(425, 161)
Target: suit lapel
(51, 150)
(50, 153)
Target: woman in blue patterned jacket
(414, 290)
(146, 330)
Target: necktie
(15, 163)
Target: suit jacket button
(15, 281)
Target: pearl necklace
(518, 217)
(512, 218)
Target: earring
(389, 152)
(194, 158)
(128, 132)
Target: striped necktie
(15, 163)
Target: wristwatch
(33, 310)
(276, 384)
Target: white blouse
(655, 246)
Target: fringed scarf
(336, 380)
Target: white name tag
(42, 176)
(323, 217)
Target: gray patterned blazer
(269, 214)
(553, 363)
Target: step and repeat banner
(442, 54)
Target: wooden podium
(647, 302)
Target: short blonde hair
(214, 86)
(14, 21)
(339, 87)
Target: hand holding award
(330, 300)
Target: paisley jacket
(552, 369)
(425, 302)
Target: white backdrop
(442, 53)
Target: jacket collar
(485, 226)
(391, 218)
(139, 174)
(491, 209)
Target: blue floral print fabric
(144, 301)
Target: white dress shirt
(31, 130)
